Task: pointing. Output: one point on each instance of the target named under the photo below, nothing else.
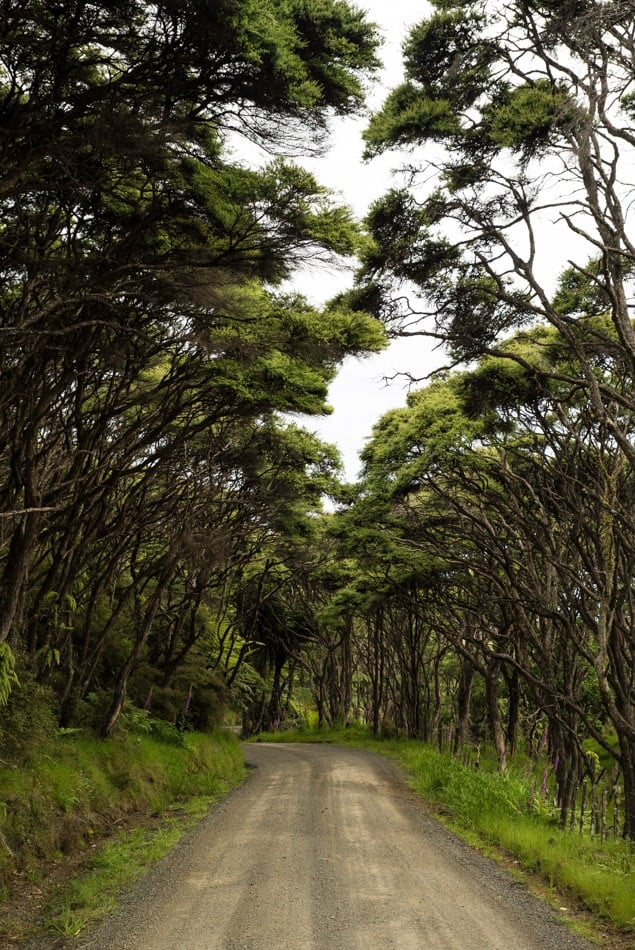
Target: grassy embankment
(505, 816)
(86, 819)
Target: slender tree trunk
(15, 575)
(513, 712)
(376, 672)
(121, 687)
(492, 678)
(318, 695)
(436, 716)
(627, 746)
(274, 709)
(463, 702)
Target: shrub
(28, 722)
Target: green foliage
(627, 103)
(115, 867)
(156, 353)
(461, 175)
(8, 675)
(467, 795)
(448, 55)
(319, 48)
(478, 309)
(503, 383)
(404, 245)
(482, 79)
(139, 722)
(581, 291)
(71, 795)
(28, 720)
(450, 67)
(409, 443)
(447, 64)
(408, 117)
(529, 118)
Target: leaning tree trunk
(376, 669)
(492, 679)
(121, 686)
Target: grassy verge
(89, 817)
(499, 814)
(89, 896)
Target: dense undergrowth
(109, 807)
(505, 812)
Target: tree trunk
(513, 711)
(463, 703)
(376, 673)
(274, 709)
(627, 746)
(492, 677)
(119, 696)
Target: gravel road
(326, 848)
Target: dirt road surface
(326, 848)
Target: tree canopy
(148, 353)
(163, 546)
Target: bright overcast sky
(359, 395)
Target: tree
(518, 120)
(504, 475)
(140, 318)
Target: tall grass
(502, 811)
(89, 896)
(84, 790)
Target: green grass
(499, 811)
(82, 792)
(66, 801)
(116, 866)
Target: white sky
(359, 395)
